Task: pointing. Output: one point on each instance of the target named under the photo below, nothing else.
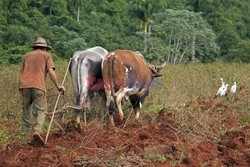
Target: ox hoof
(137, 115)
(119, 120)
(78, 119)
(73, 126)
(111, 122)
(110, 125)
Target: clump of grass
(3, 137)
(155, 157)
(63, 151)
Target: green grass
(184, 83)
(181, 84)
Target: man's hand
(52, 75)
(61, 89)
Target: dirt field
(182, 124)
(153, 140)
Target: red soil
(153, 140)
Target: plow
(62, 111)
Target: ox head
(156, 69)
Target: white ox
(86, 71)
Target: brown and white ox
(127, 74)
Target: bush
(15, 59)
(16, 35)
(240, 52)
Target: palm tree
(51, 5)
(78, 4)
(145, 10)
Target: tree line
(176, 31)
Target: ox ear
(156, 75)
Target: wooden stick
(58, 125)
(85, 118)
(64, 109)
(57, 100)
(59, 111)
(127, 120)
(73, 106)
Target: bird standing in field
(233, 88)
(224, 91)
(220, 90)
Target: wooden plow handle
(57, 100)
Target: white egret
(233, 88)
(224, 91)
(220, 90)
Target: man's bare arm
(52, 75)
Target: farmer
(32, 85)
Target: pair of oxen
(113, 75)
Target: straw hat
(40, 42)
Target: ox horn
(162, 66)
(156, 69)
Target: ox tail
(79, 90)
(111, 76)
(73, 69)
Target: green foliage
(230, 20)
(16, 35)
(14, 55)
(240, 52)
(55, 7)
(70, 25)
(228, 38)
(66, 45)
(15, 59)
(184, 32)
(18, 50)
(158, 50)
